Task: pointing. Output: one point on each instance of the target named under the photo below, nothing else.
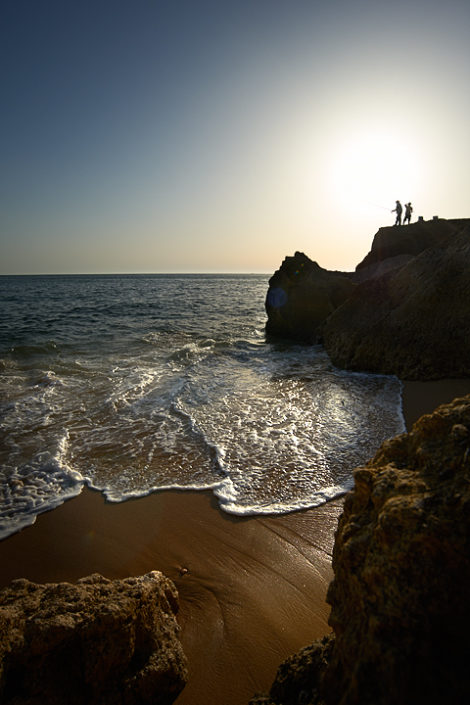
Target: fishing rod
(376, 205)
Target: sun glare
(372, 169)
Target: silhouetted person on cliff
(408, 212)
(398, 210)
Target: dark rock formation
(377, 269)
(408, 241)
(299, 678)
(401, 564)
(95, 642)
(405, 310)
(302, 295)
(413, 322)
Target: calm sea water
(132, 384)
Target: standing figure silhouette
(398, 210)
(408, 212)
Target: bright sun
(372, 169)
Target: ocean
(132, 384)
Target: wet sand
(252, 591)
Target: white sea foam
(29, 489)
(228, 501)
(151, 396)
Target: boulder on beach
(399, 597)
(96, 642)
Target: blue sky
(221, 136)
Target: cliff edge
(404, 310)
(399, 597)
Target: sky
(147, 136)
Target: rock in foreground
(401, 564)
(95, 642)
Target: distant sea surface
(136, 383)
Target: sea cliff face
(97, 642)
(301, 296)
(413, 322)
(396, 245)
(399, 598)
(404, 310)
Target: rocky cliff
(404, 311)
(393, 244)
(97, 642)
(301, 296)
(413, 322)
(399, 598)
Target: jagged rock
(302, 295)
(401, 566)
(413, 322)
(402, 569)
(299, 678)
(404, 310)
(409, 240)
(97, 642)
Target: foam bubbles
(33, 488)
(290, 428)
(158, 383)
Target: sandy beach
(252, 590)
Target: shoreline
(252, 590)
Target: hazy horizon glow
(221, 137)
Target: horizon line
(128, 274)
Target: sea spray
(134, 384)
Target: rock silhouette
(393, 242)
(403, 311)
(413, 321)
(301, 296)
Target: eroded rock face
(95, 642)
(402, 569)
(400, 594)
(413, 322)
(301, 296)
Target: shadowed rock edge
(401, 565)
(404, 311)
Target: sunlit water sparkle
(132, 384)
